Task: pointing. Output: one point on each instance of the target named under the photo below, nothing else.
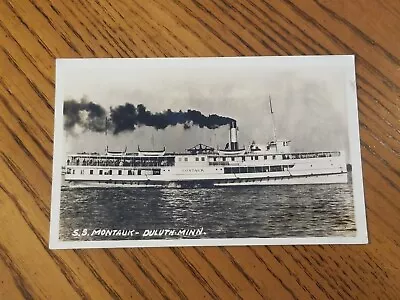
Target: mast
(106, 133)
(273, 119)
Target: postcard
(162, 152)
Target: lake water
(234, 212)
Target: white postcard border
(354, 139)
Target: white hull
(254, 181)
(315, 179)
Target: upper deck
(187, 158)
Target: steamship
(272, 163)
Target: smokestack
(233, 136)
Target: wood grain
(35, 32)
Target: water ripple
(239, 212)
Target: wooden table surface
(35, 32)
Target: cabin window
(203, 159)
(156, 171)
(224, 159)
(276, 168)
(273, 156)
(227, 170)
(186, 159)
(119, 172)
(129, 172)
(91, 172)
(68, 171)
(265, 157)
(197, 159)
(180, 159)
(110, 172)
(232, 158)
(73, 171)
(82, 172)
(139, 172)
(258, 169)
(243, 170)
(100, 172)
(215, 159)
(256, 157)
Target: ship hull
(298, 180)
(338, 178)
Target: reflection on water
(234, 212)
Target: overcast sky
(308, 95)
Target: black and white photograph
(158, 152)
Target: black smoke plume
(128, 117)
(88, 115)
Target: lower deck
(226, 180)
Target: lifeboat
(151, 152)
(232, 152)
